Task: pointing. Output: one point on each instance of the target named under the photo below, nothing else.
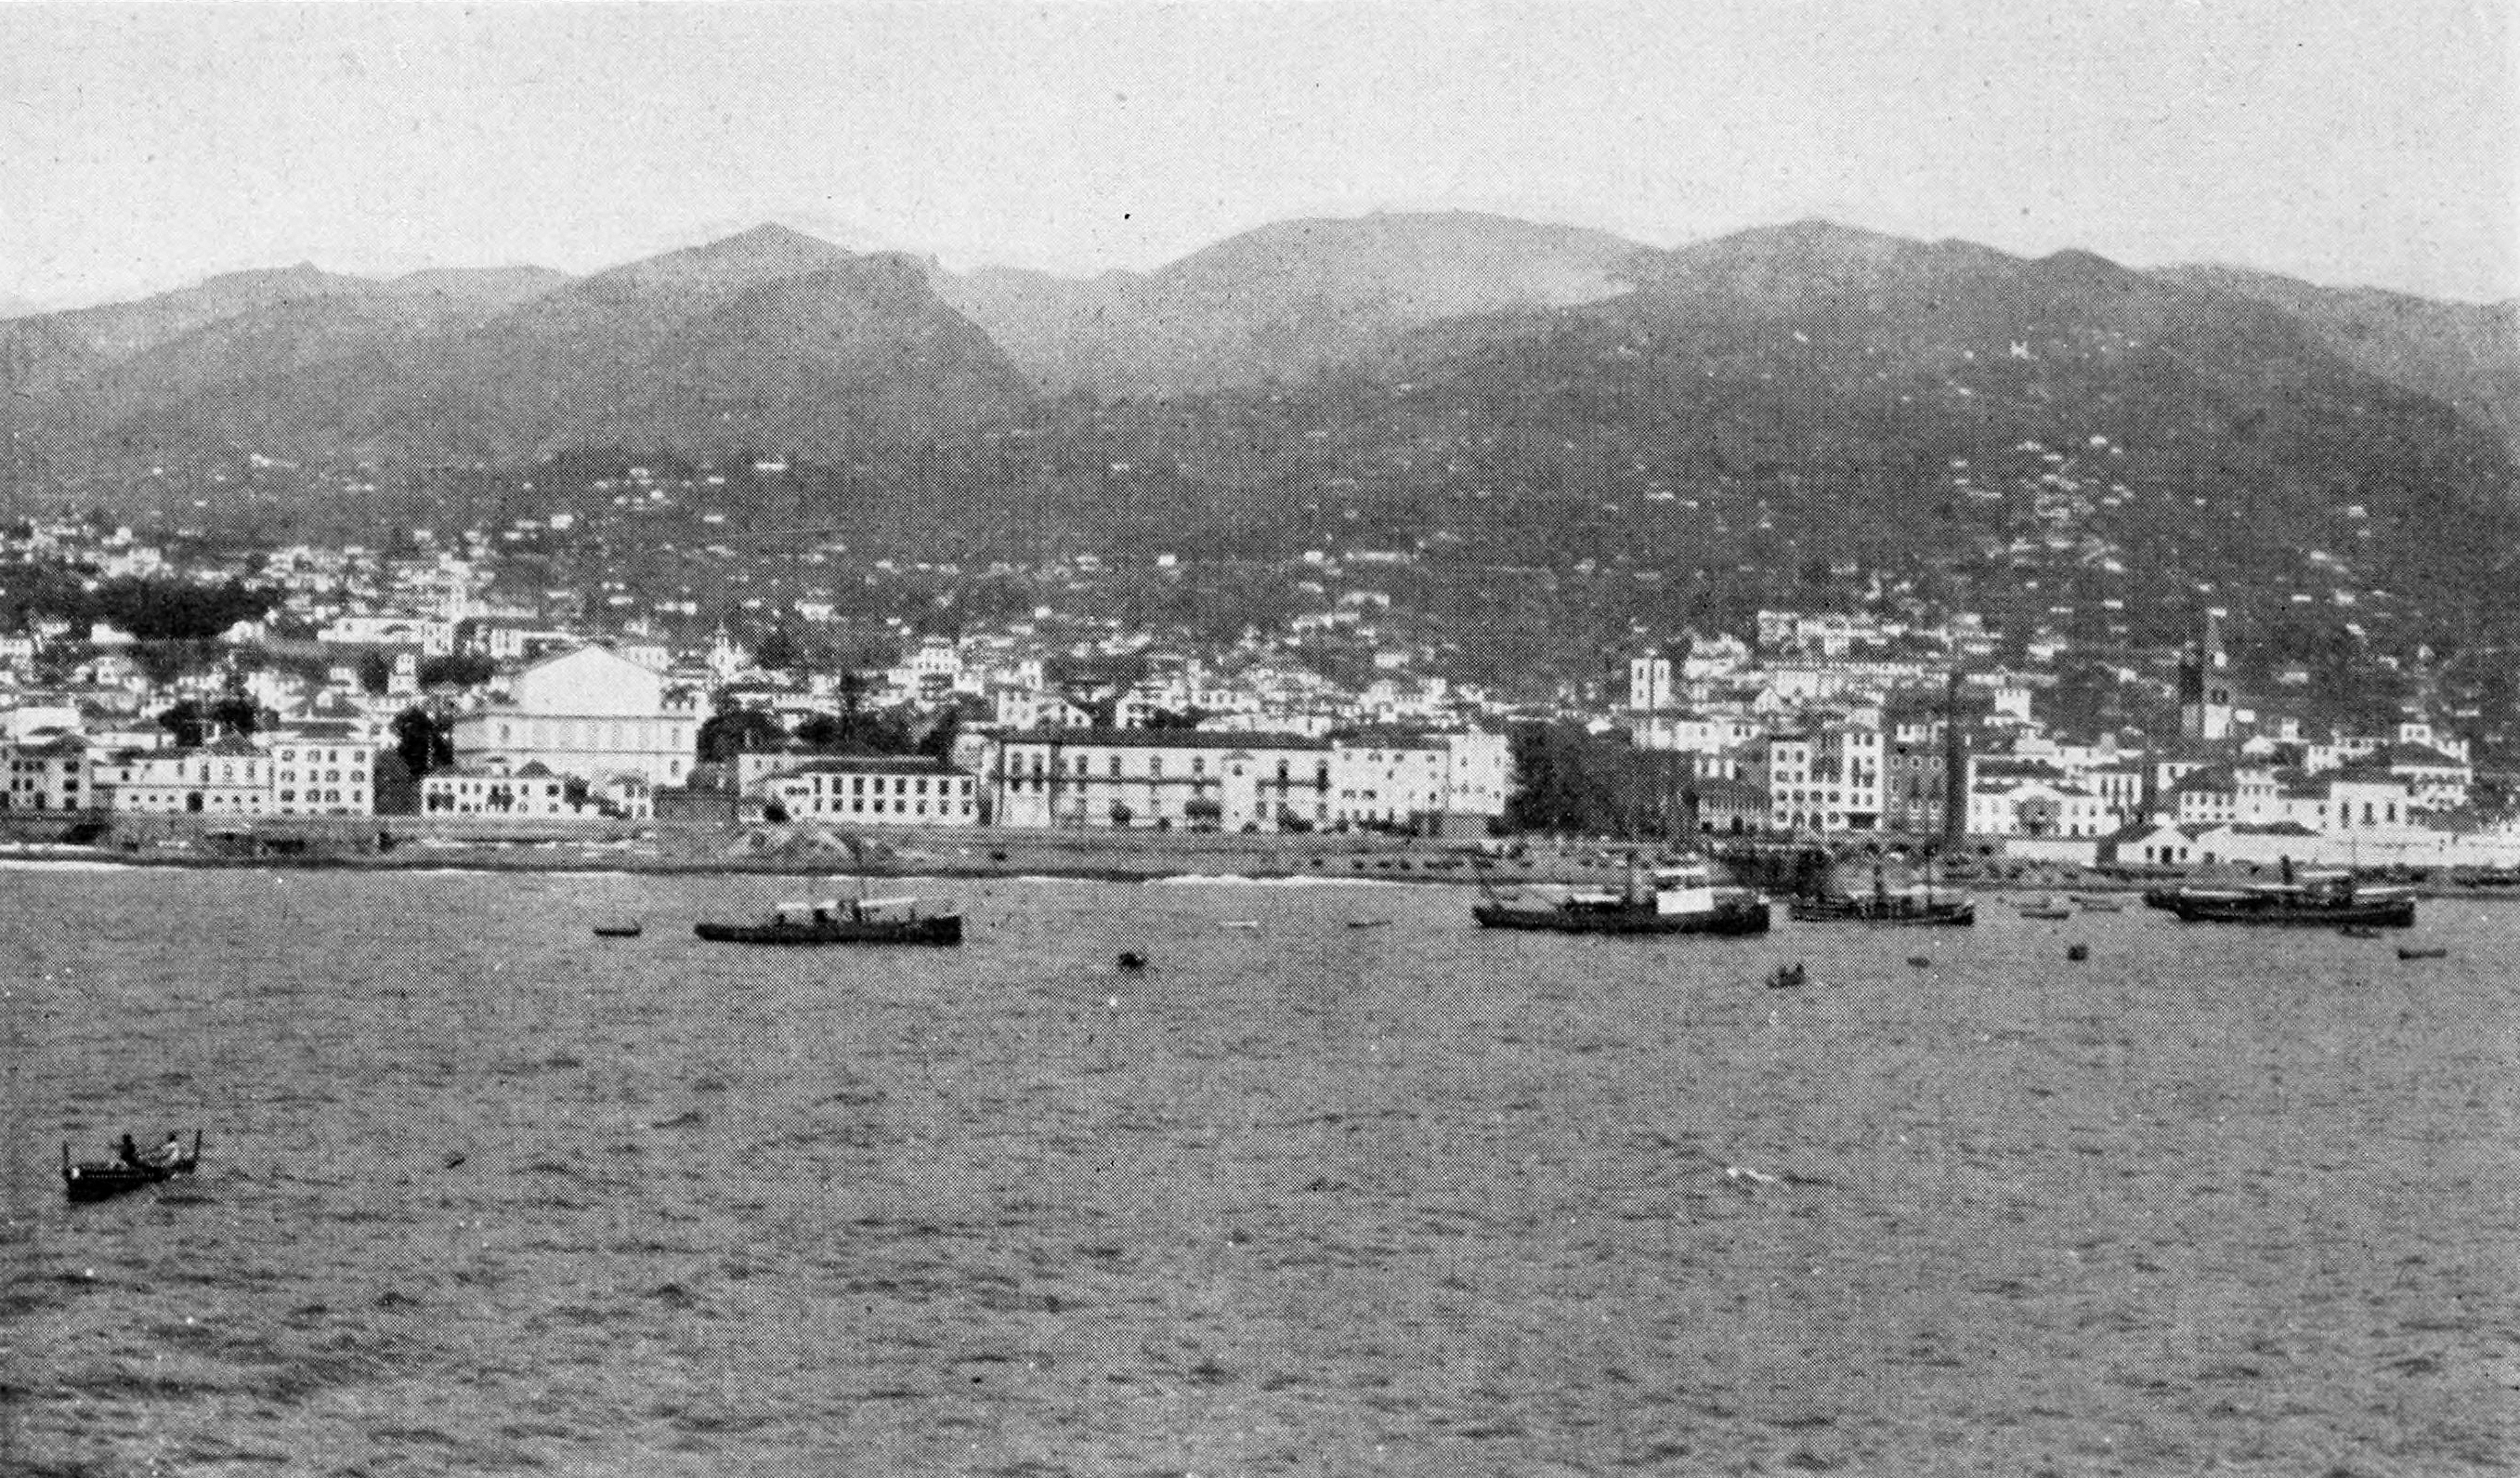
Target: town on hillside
(303, 682)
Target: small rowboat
(2422, 952)
(629, 930)
(101, 1180)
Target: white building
(1090, 778)
(322, 768)
(891, 790)
(532, 791)
(589, 713)
(228, 777)
(48, 774)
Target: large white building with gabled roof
(590, 713)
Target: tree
(235, 713)
(937, 743)
(465, 670)
(425, 740)
(376, 673)
(184, 722)
(731, 732)
(778, 650)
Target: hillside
(2465, 355)
(1815, 415)
(1284, 301)
(1543, 461)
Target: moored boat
(1681, 899)
(1883, 908)
(843, 921)
(2324, 901)
(98, 1179)
(625, 931)
(2044, 908)
(1918, 906)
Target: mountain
(1284, 301)
(769, 338)
(2465, 355)
(1806, 413)
(352, 317)
(48, 352)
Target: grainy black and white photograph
(1100, 738)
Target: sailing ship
(1681, 898)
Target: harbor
(1447, 1199)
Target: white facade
(227, 779)
(590, 713)
(879, 790)
(1160, 778)
(532, 792)
(315, 773)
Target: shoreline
(1065, 858)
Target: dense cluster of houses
(1822, 739)
(1818, 723)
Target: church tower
(2207, 701)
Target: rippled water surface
(484, 1193)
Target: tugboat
(1881, 906)
(1677, 899)
(2322, 899)
(843, 921)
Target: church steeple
(2208, 702)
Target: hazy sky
(2346, 141)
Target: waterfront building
(533, 792)
(1162, 778)
(1730, 807)
(323, 768)
(229, 777)
(887, 790)
(1425, 780)
(590, 713)
(48, 774)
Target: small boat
(2422, 952)
(1131, 959)
(2049, 907)
(99, 1180)
(629, 930)
(1239, 924)
(1367, 923)
(843, 921)
(1785, 977)
(1681, 899)
(2359, 931)
(2097, 904)
(2078, 951)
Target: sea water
(482, 1193)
